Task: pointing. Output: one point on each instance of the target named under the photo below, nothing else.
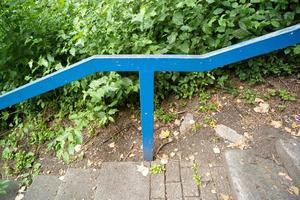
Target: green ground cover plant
(40, 37)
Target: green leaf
(297, 49)
(72, 51)
(184, 47)
(177, 18)
(172, 37)
(218, 11)
(43, 62)
(210, 1)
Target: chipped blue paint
(147, 65)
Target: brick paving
(177, 183)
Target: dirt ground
(121, 141)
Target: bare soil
(233, 112)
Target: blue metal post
(147, 108)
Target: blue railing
(147, 65)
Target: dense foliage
(40, 37)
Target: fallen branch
(162, 146)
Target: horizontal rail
(186, 63)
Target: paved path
(122, 180)
(245, 176)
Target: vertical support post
(147, 108)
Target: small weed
(216, 139)
(164, 116)
(204, 97)
(281, 107)
(249, 95)
(232, 91)
(210, 106)
(196, 177)
(24, 160)
(157, 169)
(270, 93)
(204, 104)
(210, 122)
(196, 127)
(286, 95)
(3, 185)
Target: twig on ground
(161, 146)
(275, 160)
(129, 152)
(284, 83)
(180, 112)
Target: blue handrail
(147, 65)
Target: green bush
(40, 37)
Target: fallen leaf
(77, 148)
(216, 150)
(258, 100)
(191, 157)
(285, 176)
(177, 122)
(296, 134)
(241, 144)
(175, 133)
(294, 190)
(262, 108)
(225, 197)
(276, 124)
(19, 197)
(192, 121)
(131, 155)
(89, 163)
(172, 154)
(22, 189)
(142, 169)
(164, 159)
(294, 125)
(287, 129)
(112, 145)
(164, 134)
(248, 136)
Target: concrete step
(289, 153)
(43, 188)
(11, 191)
(256, 178)
(121, 180)
(78, 184)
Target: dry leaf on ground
(276, 124)
(164, 134)
(216, 150)
(285, 176)
(164, 159)
(112, 145)
(225, 197)
(294, 190)
(241, 144)
(177, 122)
